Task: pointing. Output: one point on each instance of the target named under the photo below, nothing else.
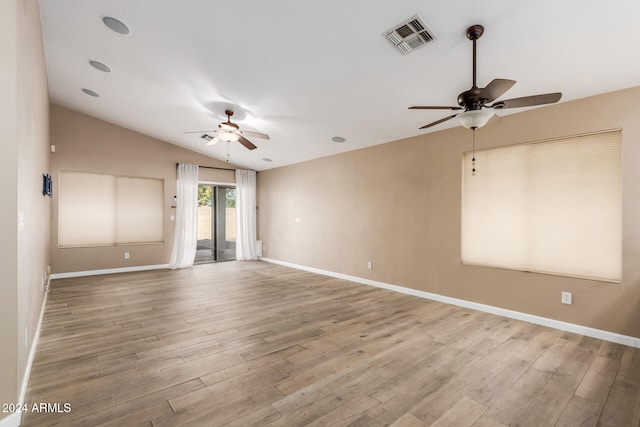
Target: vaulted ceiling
(306, 71)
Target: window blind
(551, 207)
(100, 210)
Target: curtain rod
(213, 167)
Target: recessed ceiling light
(91, 93)
(338, 139)
(100, 66)
(266, 159)
(116, 25)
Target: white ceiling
(304, 71)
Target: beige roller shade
(552, 207)
(101, 210)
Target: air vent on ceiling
(410, 35)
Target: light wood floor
(255, 344)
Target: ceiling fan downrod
(474, 33)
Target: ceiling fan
(476, 101)
(230, 132)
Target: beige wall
(398, 205)
(24, 255)
(33, 162)
(9, 205)
(87, 144)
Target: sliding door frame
(215, 220)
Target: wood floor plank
(260, 417)
(547, 406)
(365, 421)
(580, 412)
(77, 411)
(425, 401)
(409, 380)
(551, 360)
(519, 396)
(597, 381)
(100, 386)
(575, 366)
(322, 388)
(309, 375)
(331, 410)
(217, 411)
(629, 371)
(621, 408)
(346, 413)
(408, 420)
(257, 344)
(463, 414)
(125, 415)
(489, 390)
(172, 387)
(485, 421)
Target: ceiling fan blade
(528, 101)
(244, 141)
(423, 107)
(495, 89)
(213, 141)
(437, 122)
(255, 134)
(202, 131)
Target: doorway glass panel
(216, 223)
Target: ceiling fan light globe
(229, 136)
(473, 119)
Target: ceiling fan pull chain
(473, 155)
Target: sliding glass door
(216, 223)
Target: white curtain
(246, 215)
(185, 242)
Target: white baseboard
(32, 351)
(531, 318)
(108, 271)
(12, 420)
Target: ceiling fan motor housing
(470, 99)
(228, 126)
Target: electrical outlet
(566, 297)
(126, 255)
(370, 265)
